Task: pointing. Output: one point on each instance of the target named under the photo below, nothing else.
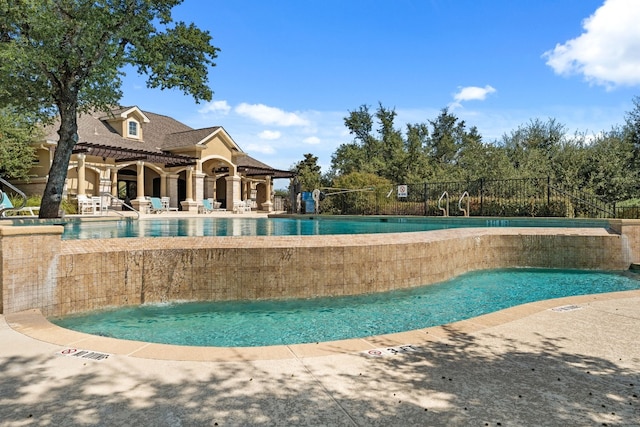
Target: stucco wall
(61, 277)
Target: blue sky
(289, 71)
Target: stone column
(163, 185)
(209, 187)
(140, 203)
(189, 204)
(198, 187)
(172, 183)
(114, 181)
(233, 191)
(268, 205)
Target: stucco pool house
(134, 154)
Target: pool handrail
(465, 211)
(11, 207)
(122, 202)
(445, 212)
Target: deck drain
(391, 351)
(84, 354)
(565, 308)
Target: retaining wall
(39, 270)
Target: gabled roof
(161, 134)
(124, 112)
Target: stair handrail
(445, 212)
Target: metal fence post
(425, 197)
(481, 196)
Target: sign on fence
(403, 190)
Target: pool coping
(33, 324)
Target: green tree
(607, 170)
(308, 173)
(533, 147)
(447, 133)
(477, 159)
(16, 152)
(385, 153)
(64, 57)
(416, 166)
(632, 131)
(360, 124)
(392, 147)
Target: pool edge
(33, 324)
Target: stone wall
(62, 277)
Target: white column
(81, 175)
(140, 181)
(189, 179)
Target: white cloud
(312, 140)
(608, 51)
(270, 115)
(260, 148)
(473, 93)
(215, 107)
(269, 134)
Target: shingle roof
(160, 135)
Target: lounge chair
(156, 205)
(6, 206)
(207, 207)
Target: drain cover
(565, 308)
(84, 354)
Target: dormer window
(133, 129)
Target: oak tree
(64, 57)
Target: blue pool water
(258, 323)
(209, 226)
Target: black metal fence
(531, 197)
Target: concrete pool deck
(524, 366)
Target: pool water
(260, 323)
(209, 226)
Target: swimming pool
(259, 323)
(305, 226)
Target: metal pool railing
(529, 197)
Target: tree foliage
(63, 57)
(444, 149)
(16, 152)
(308, 173)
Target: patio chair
(156, 205)
(166, 204)
(86, 205)
(240, 207)
(99, 207)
